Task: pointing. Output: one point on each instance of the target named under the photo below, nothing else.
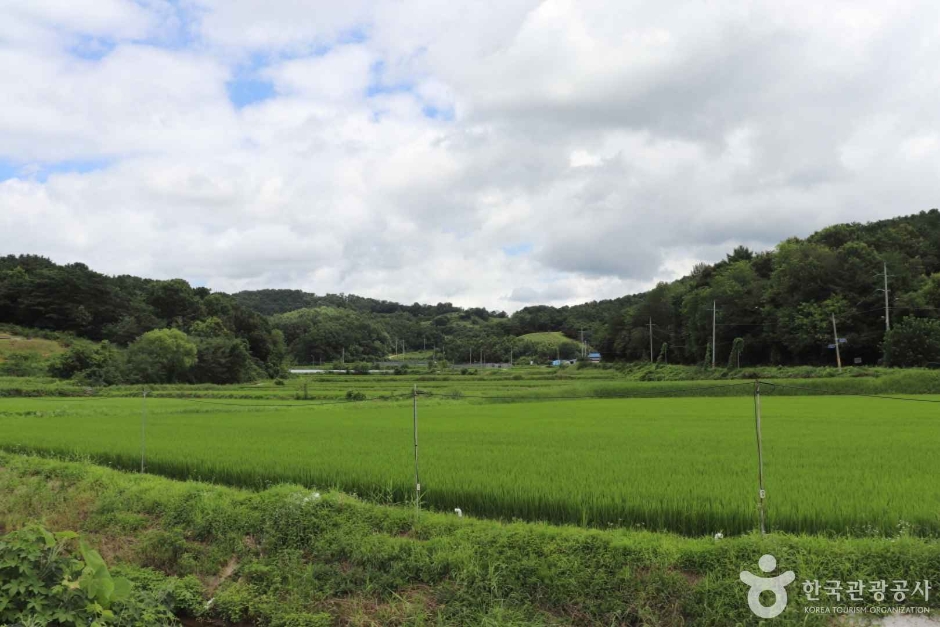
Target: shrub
(89, 364)
(23, 365)
(45, 583)
(913, 342)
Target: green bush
(45, 582)
(913, 342)
(23, 365)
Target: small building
(595, 357)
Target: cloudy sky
(494, 153)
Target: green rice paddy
(844, 465)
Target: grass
(853, 466)
(546, 339)
(21, 345)
(521, 381)
(282, 558)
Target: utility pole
(143, 433)
(714, 347)
(417, 477)
(885, 290)
(835, 335)
(760, 458)
(651, 340)
(582, 342)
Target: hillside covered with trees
(771, 307)
(775, 306)
(781, 303)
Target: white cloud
(407, 145)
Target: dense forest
(782, 303)
(770, 307)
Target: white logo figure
(777, 585)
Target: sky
(487, 153)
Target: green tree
(161, 356)
(174, 300)
(913, 342)
(95, 365)
(222, 360)
(209, 327)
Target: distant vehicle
(595, 357)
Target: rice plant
(689, 465)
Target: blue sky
(42, 171)
(489, 154)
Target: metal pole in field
(415, 421)
(835, 336)
(760, 457)
(143, 432)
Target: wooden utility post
(835, 336)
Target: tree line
(773, 307)
(202, 336)
(777, 307)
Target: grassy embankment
(285, 558)
(523, 382)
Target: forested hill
(776, 306)
(781, 303)
(278, 301)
